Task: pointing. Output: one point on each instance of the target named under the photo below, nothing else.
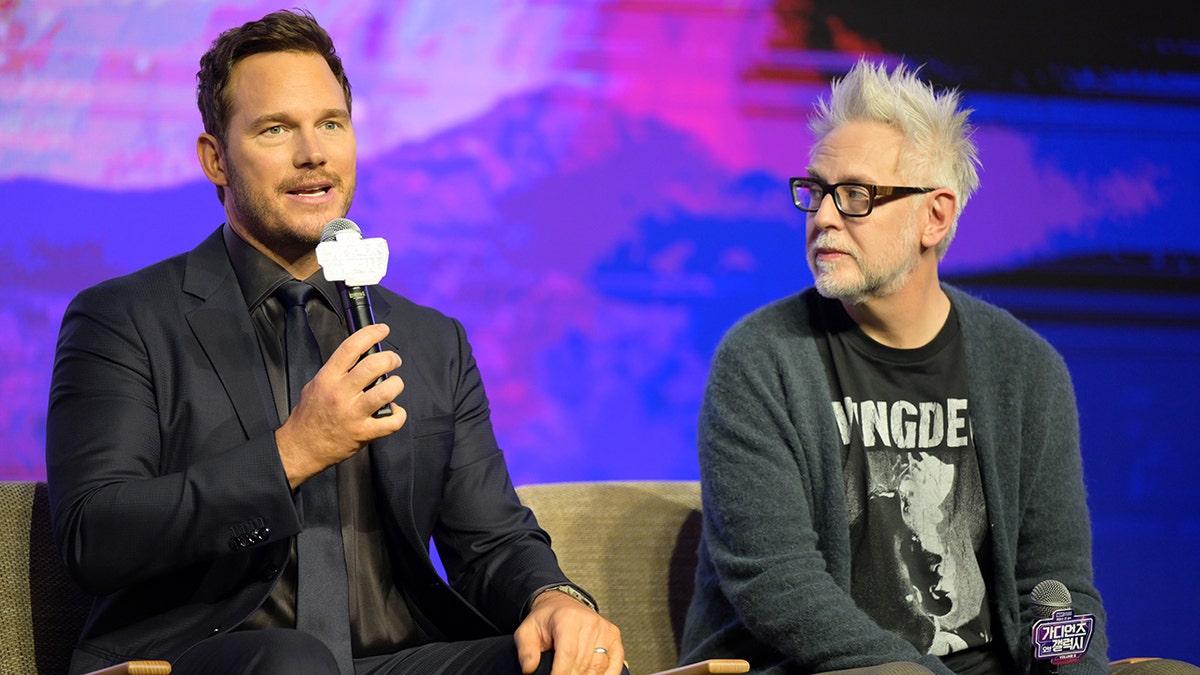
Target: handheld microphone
(1059, 635)
(354, 263)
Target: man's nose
(308, 150)
(827, 215)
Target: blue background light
(597, 189)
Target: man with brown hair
(235, 512)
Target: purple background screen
(597, 190)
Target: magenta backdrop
(597, 190)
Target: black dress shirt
(380, 619)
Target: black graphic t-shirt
(918, 523)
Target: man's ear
(212, 159)
(938, 215)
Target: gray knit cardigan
(773, 583)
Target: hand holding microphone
(354, 263)
(349, 402)
(336, 416)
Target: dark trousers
(281, 651)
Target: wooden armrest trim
(136, 668)
(713, 666)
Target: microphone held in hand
(354, 263)
(1059, 635)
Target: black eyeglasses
(851, 199)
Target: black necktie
(322, 608)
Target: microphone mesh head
(1049, 596)
(339, 225)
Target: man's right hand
(332, 421)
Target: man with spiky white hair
(889, 466)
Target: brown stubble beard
(269, 227)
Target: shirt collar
(258, 276)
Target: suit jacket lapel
(392, 456)
(235, 355)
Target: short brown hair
(281, 31)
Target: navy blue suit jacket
(170, 503)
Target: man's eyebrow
(268, 117)
(851, 178)
(328, 113)
(337, 113)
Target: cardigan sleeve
(1027, 430)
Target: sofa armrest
(709, 666)
(136, 668)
